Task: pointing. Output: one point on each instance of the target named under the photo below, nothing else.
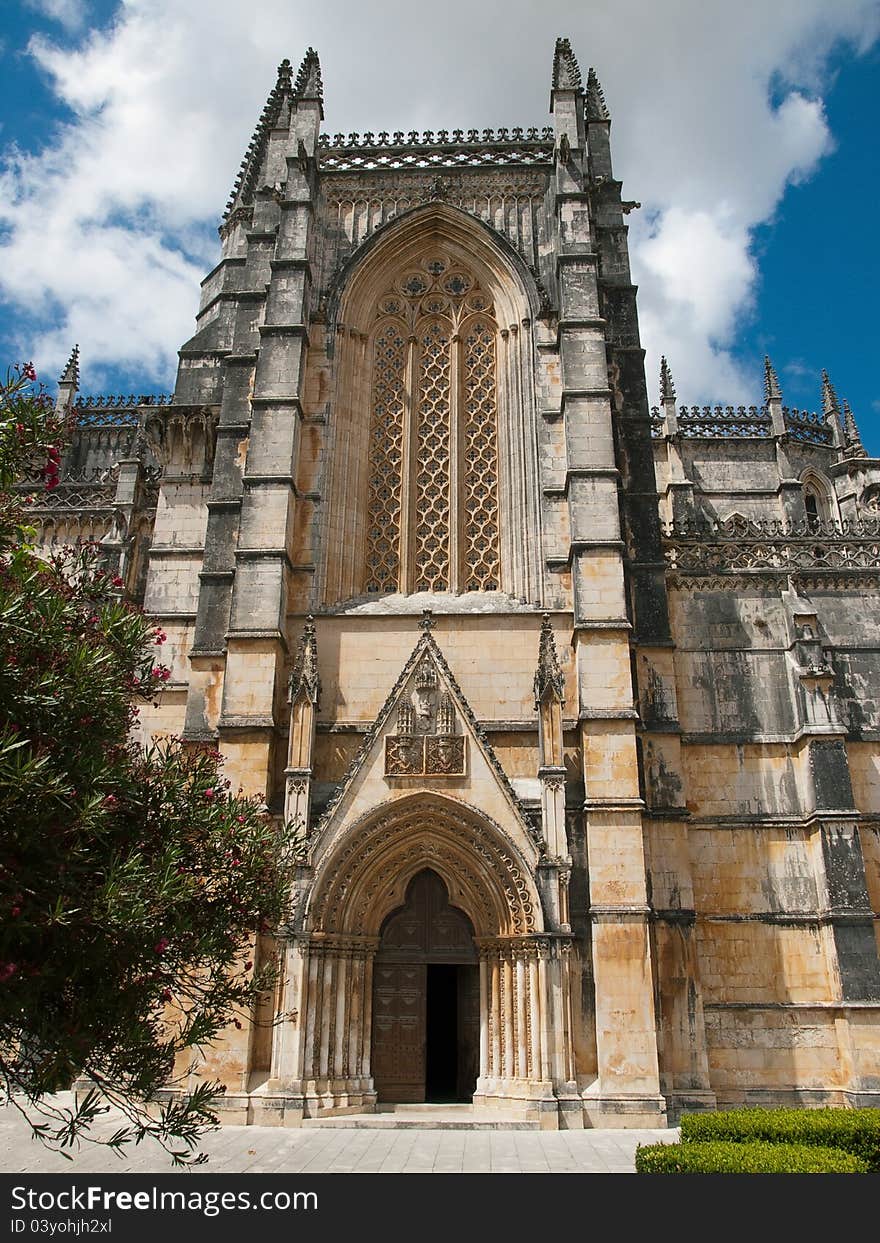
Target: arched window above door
(432, 522)
(433, 446)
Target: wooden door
(399, 995)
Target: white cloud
(716, 109)
(70, 13)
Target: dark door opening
(452, 1032)
(441, 1052)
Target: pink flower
(209, 793)
(29, 372)
(161, 946)
(117, 581)
(7, 970)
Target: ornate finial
(308, 83)
(854, 446)
(772, 391)
(427, 622)
(830, 406)
(596, 109)
(70, 374)
(549, 676)
(305, 674)
(566, 73)
(667, 387)
(445, 714)
(285, 74)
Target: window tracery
(433, 488)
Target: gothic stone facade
(571, 704)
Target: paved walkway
(330, 1150)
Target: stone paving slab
(259, 1150)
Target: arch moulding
(365, 876)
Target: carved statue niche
(815, 673)
(427, 743)
(426, 697)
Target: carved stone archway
(323, 1049)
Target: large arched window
(433, 451)
(432, 521)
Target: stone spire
(667, 398)
(277, 103)
(308, 83)
(852, 439)
(667, 387)
(549, 676)
(596, 108)
(70, 374)
(773, 398)
(772, 391)
(830, 404)
(68, 385)
(304, 678)
(566, 72)
(831, 410)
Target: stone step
(427, 1118)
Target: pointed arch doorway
(426, 999)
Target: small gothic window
(433, 495)
(811, 505)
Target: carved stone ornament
(549, 677)
(305, 674)
(426, 742)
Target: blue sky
(819, 259)
(748, 136)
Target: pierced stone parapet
(806, 425)
(430, 149)
(109, 410)
(742, 544)
(72, 496)
(720, 422)
(710, 422)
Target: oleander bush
(856, 1131)
(133, 880)
(747, 1157)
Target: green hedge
(856, 1131)
(753, 1157)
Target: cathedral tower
(401, 524)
